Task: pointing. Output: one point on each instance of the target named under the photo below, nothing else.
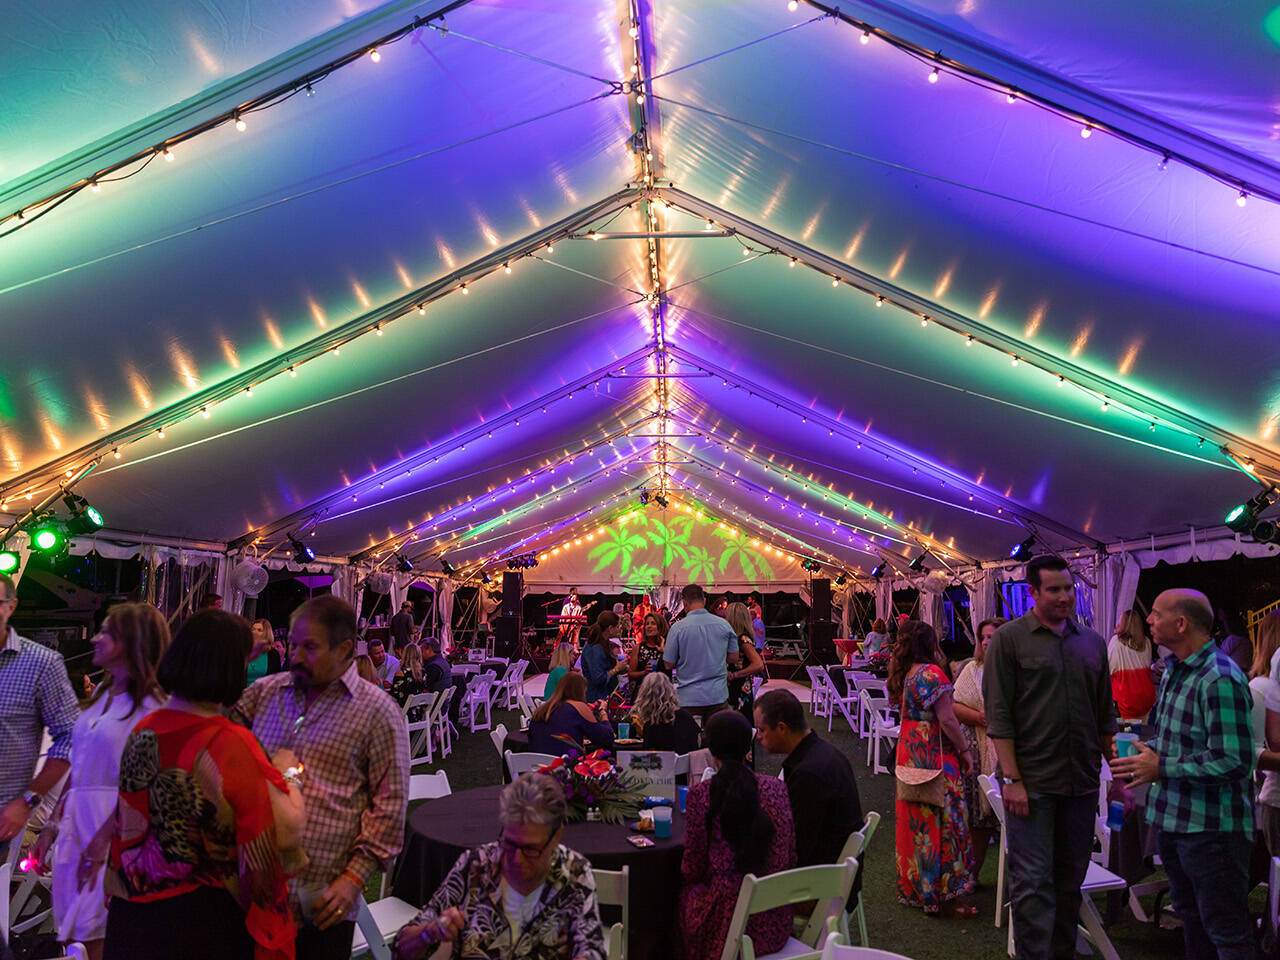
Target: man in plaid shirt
(351, 745)
(1199, 765)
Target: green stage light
(8, 561)
(1241, 519)
(84, 518)
(47, 536)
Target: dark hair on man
(334, 614)
(781, 706)
(206, 662)
(735, 798)
(692, 593)
(210, 601)
(1043, 562)
(376, 640)
(430, 643)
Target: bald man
(1199, 761)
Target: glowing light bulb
(865, 38)
(879, 301)
(746, 251)
(1086, 131)
(593, 235)
(640, 100)
(1062, 381)
(1164, 163)
(159, 433)
(1011, 97)
(1013, 362)
(375, 56)
(248, 391)
(205, 411)
(95, 186)
(506, 268)
(793, 5)
(293, 372)
(465, 291)
(1106, 405)
(1242, 199)
(116, 453)
(933, 75)
(378, 330)
(168, 155)
(835, 281)
(240, 124)
(634, 31)
(422, 309)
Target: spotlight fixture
(660, 500)
(842, 579)
(917, 565)
(811, 565)
(47, 535)
(84, 518)
(9, 561)
(523, 561)
(301, 552)
(878, 570)
(484, 577)
(446, 566)
(1241, 519)
(1266, 531)
(1022, 552)
(404, 564)
(644, 498)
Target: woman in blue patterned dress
(933, 854)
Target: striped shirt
(1204, 738)
(354, 747)
(35, 695)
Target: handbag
(922, 784)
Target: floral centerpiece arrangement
(595, 780)
(879, 661)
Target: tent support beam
(961, 323)
(318, 508)
(925, 37)
(1025, 514)
(367, 322)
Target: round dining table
(439, 831)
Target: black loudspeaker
(506, 637)
(512, 593)
(822, 648)
(821, 606)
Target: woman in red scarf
(202, 817)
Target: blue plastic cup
(1126, 744)
(662, 822)
(624, 731)
(683, 792)
(1115, 815)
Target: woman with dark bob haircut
(202, 816)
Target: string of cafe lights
(530, 478)
(935, 66)
(1105, 401)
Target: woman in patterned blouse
(522, 897)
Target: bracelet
(353, 877)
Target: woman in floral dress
(933, 854)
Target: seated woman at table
(646, 655)
(599, 663)
(565, 722)
(409, 680)
(562, 659)
(525, 888)
(738, 822)
(875, 641)
(659, 720)
(367, 671)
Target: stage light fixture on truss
(661, 501)
(301, 552)
(1242, 519)
(1021, 552)
(404, 564)
(1266, 531)
(84, 518)
(9, 561)
(878, 570)
(446, 566)
(917, 565)
(811, 565)
(842, 579)
(484, 577)
(644, 498)
(47, 535)
(522, 562)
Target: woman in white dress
(128, 648)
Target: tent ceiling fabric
(395, 174)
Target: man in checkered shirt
(1199, 764)
(352, 745)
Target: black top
(824, 801)
(1050, 695)
(681, 735)
(437, 674)
(401, 629)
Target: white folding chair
(429, 786)
(879, 726)
(520, 763)
(439, 727)
(823, 882)
(6, 874)
(499, 737)
(854, 847)
(819, 692)
(510, 688)
(612, 889)
(419, 730)
(476, 701)
(837, 949)
(377, 924)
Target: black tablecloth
(517, 741)
(439, 831)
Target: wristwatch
(1010, 780)
(32, 799)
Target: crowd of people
(236, 794)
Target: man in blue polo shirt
(701, 649)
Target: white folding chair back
(519, 763)
(837, 949)
(476, 701)
(827, 883)
(428, 786)
(613, 889)
(499, 736)
(853, 847)
(6, 874)
(991, 789)
(420, 730)
(878, 726)
(377, 924)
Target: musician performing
(572, 618)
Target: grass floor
(891, 926)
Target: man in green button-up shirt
(1050, 719)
